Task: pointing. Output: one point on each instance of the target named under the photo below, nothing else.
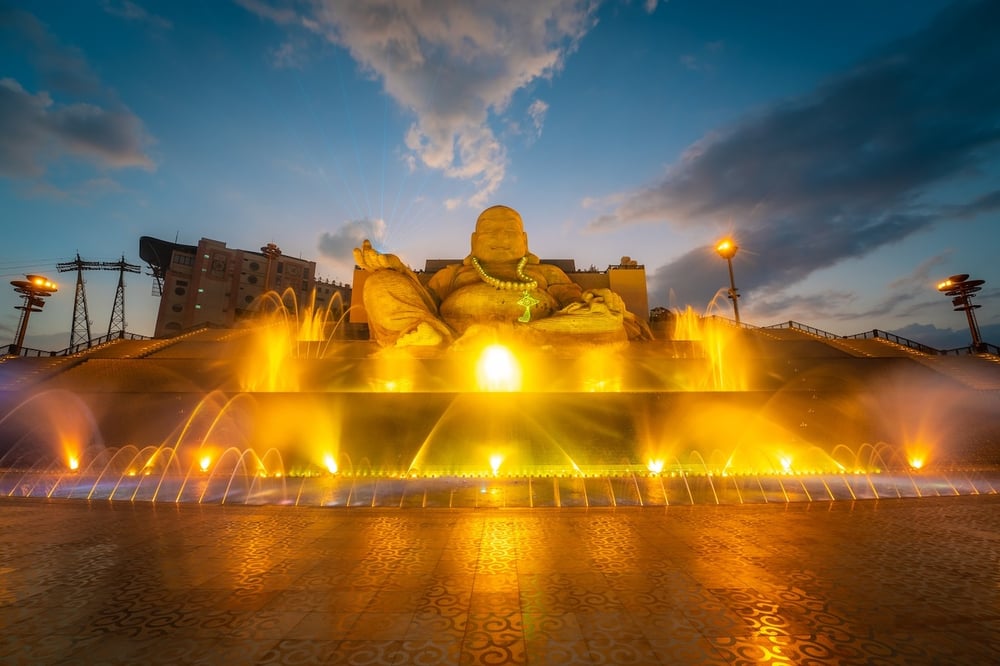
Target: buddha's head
(499, 235)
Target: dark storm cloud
(42, 127)
(843, 170)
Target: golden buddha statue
(500, 286)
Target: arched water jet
(130, 451)
(131, 468)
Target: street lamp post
(962, 289)
(33, 291)
(272, 252)
(727, 250)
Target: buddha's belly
(481, 304)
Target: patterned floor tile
(887, 582)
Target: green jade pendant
(527, 300)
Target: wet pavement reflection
(887, 582)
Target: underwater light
(498, 370)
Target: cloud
(339, 244)
(705, 61)
(130, 11)
(454, 68)
(287, 56)
(537, 112)
(40, 128)
(62, 68)
(905, 296)
(38, 131)
(840, 171)
(946, 338)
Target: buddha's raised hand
(371, 259)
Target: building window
(177, 307)
(180, 291)
(252, 279)
(254, 266)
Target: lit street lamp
(727, 250)
(962, 289)
(33, 291)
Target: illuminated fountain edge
(673, 486)
(614, 440)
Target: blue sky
(850, 148)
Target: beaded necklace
(507, 285)
(524, 286)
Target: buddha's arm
(442, 283)
(370, 259)
(560, 287)
(573, 299)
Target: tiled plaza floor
(888, 582)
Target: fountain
(499, 382)
(284, 411)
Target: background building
(209, 283)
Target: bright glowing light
(331, 464)
(655, 466)
(495, 460)
(73, 462)
(786, 463)
(726, 248)
(204, 463)
(498, 370)
(916, 463)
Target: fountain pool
(283, 412)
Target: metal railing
(733, 322)
(803, 327)
(892, 337)
(873, 334)
(984, 348)
(12, 349)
